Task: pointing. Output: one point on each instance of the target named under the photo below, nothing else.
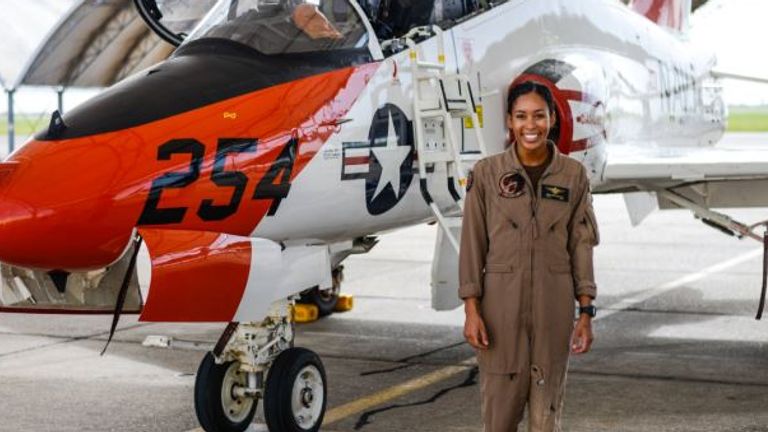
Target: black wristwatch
(590, 310)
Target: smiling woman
(526, 255)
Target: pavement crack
(469, 381)
(62, 339)
(408, 360)
(669, 378)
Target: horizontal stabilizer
(671, 14)
(740, 77)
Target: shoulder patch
(555, 193)
(470, 179)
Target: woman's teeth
(530, 137)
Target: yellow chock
(345, 303)
(304, 313)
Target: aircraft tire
(217, 409)
(295, 392)
(325, 300)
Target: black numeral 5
(208, 211)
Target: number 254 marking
(208, 211)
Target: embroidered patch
(555, 193)
(511, 185)
(470, 180)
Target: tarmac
(677, 346)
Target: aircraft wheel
(325, 300)
(295, 393)
(218, 408)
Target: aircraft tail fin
(671, 14)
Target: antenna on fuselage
(56, 127)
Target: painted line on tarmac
(645, 295)
(378, 398)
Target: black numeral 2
(151, 215)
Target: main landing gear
(326, 300)
(258, 361)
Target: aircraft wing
(698, 179)
(659, 168)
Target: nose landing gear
(229, 384)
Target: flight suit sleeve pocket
(498, 268)
(560, 268)
(592, 225)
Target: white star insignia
(391, 158)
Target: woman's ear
(552, 119)
(509, 121)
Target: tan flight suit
(526, 255)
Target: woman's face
(530, 121)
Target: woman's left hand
(582, 338)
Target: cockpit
(280, 27)
(274, 27)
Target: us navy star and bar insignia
(556, 193)
(386, 161)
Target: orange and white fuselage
(245, 192)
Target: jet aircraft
(281, 137)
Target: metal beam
(60, 98)
(11, 121)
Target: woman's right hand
(474, 326)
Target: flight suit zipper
(535, 194)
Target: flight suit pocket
(560, 268)
(592, 225)
(498, 268)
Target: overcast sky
(735, 29)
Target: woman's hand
(582, 338)
(474, 326)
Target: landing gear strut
(231, 380)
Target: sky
(734, 29)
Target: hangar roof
(100, 42)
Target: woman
(526, 253)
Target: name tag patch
(556, 193)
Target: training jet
(281, 136)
